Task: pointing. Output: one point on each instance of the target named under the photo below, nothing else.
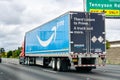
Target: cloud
(10, 11)
(10, 35)
(38, 11)
(20, 16)
(113, 29)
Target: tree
(9, 54)
(4, 54)
(16, 53)
(2, 50)
(12, 53)
(107, 44)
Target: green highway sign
(110, 7)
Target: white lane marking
(45, 70)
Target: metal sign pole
(84, 5)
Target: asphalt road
(14, 71)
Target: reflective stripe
(88, 65)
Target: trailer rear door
(87, 32)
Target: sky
(20, 16)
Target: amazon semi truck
(72, 39)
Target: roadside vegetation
(10, 54)
(107, 44)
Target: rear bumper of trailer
(88, 60)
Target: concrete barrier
(10, 60)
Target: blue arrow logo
(47, 42)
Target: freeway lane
(20, 72)
(6, 75)
(14, 71)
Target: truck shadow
(71, 70)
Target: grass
(113, 55)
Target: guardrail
(10, 60)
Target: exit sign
(111, 8)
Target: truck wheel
(45, 62)
(20, 62)
(28, 61)
(63, 64)
(59, 65)
(0, 60)
(54, 64)
(34, 61)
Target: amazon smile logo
(47, 42)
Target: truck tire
(22, 60)
(62, 64)
(32, 61)
(54, 64)
(0, 60)
(28, 62)
(59, 64)
(45, 62)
